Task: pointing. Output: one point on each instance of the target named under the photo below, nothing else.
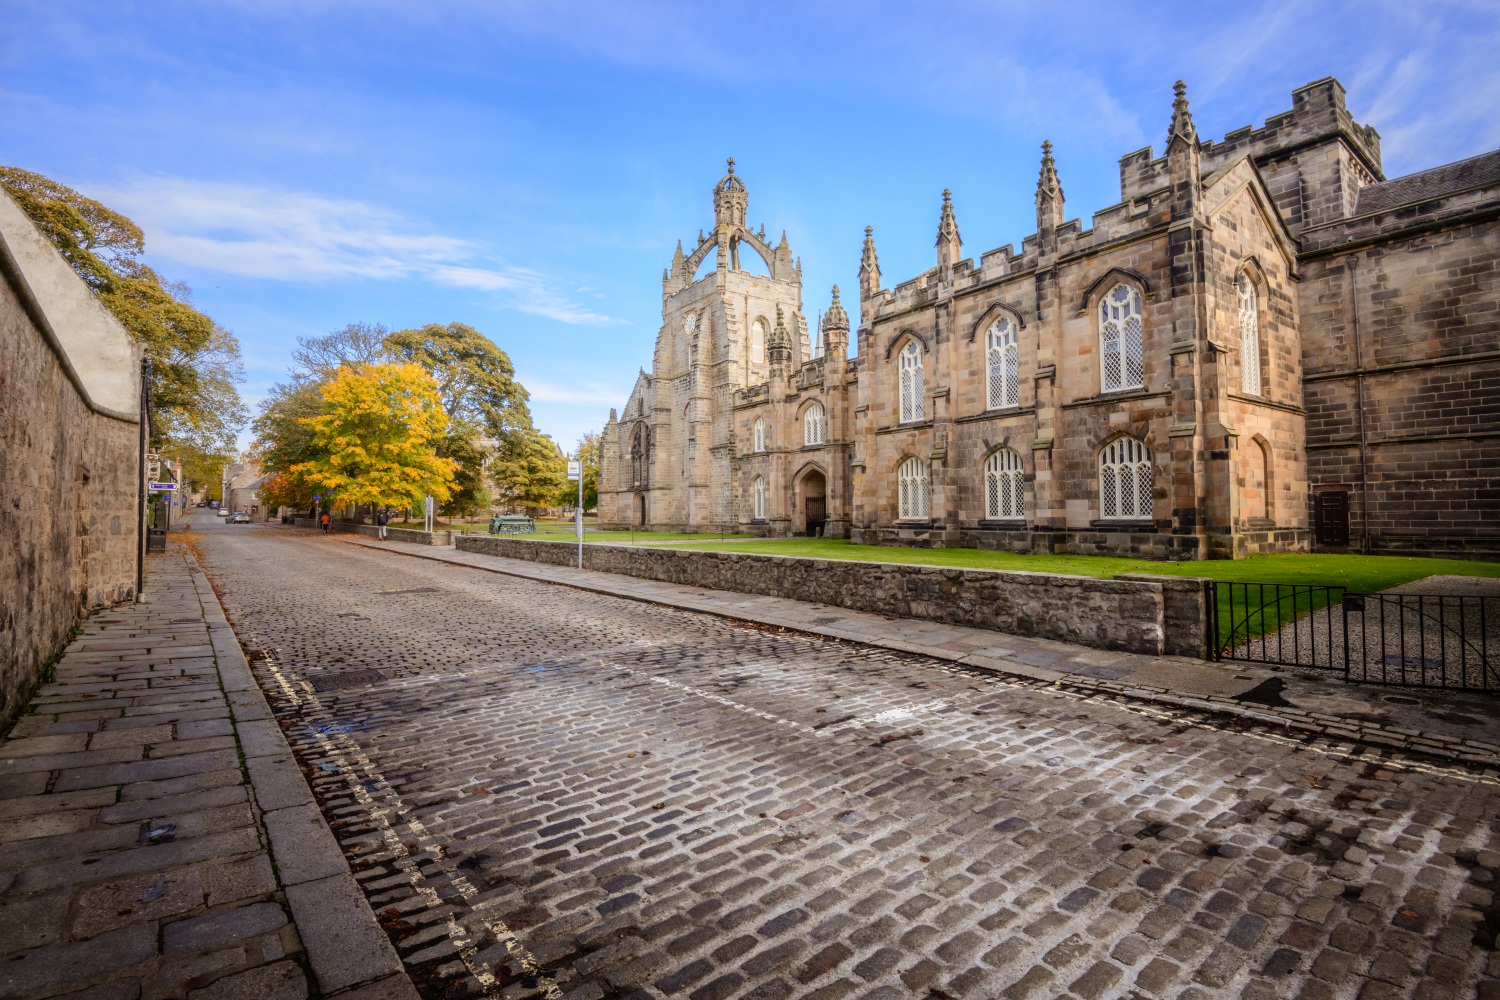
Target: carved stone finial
(731, 164)
(1182, 118)
(835, 320)
(948, 238)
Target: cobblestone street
(549, 792)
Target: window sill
(997, 525)
(1134, 526)
(1117, 396)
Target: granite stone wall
(68, 535)
(416, 536)
(1131, 615)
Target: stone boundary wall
(1151, 615)
(393, 533)
(69, 457)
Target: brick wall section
(68, 537)
(1138, 615)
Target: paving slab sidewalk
(156, 837)
(1448, 725)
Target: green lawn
(1358, 574)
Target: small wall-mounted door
(1331, 513)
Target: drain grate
(345, 679)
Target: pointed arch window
(1004, 489)
(758, 439)
(758, 337)
(761, 495)
(812, 424)
(1249, 336)
(1121, 341)
(909, 371)
(1002, 365)
(1125, 480)
(639, 457)
(914, 499)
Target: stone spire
(678, 260)
(1182, 118)
(834, 332)
(1049, 200)
(1184, 157)
(948, 240)
(869, 267)
(779, 347)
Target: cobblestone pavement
(546, 792)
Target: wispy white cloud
(260, 232)
(583, 393)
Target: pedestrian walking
(325, 521)
(382, 519)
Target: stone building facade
(69, 455)
(1264, 346)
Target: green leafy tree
(470, 494)
(320, 358)
(528, 471)
(476, 380)
(375, 438)
(588, 455)
(202, 470)
(195, 363)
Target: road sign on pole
(575, 471)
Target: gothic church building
(1264, 346)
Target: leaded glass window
(1002, 365)
(909, 371)
(812, 424)
(914, 500)
(759, 438)
(1249, 336)
(1004, 490)
(1121, 341)
(760, 494)
(1125, 480)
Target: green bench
(512, 524)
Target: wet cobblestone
(559, 793)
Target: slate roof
(1477, 171)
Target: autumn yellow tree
(374, 439)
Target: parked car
(239, 517)
(222, 512)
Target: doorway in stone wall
(1331, 519)
(812, 488)
(643, 510)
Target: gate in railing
(1411, 640)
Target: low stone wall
(1141, 615)
(413, 535)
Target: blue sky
(527, 167)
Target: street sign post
(575, 471)
(161, 486)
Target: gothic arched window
(1002, 365)
(758, 439)
(1121, 343)
(1249, 336)
(1004, 491)
(812, 424)
(758, 336)
(914, 500)
(909, 371)
(638, 457)
(761, 495)
(1125, 480)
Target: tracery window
(1004, 492)
(1249, 336)
(1125, 480)
(909, 371)
(1002, 365)
(1121, 345)
(760, 494)
(914, 500)
(639, 455)
(812, 424)
(759, 437)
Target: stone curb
(349, 952)
(1469, 754)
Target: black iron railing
(1296, 625)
